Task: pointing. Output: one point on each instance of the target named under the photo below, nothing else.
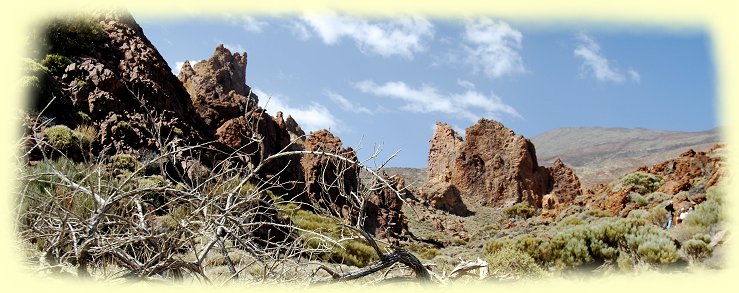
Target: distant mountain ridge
(599, 155)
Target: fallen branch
(464, 267)
(399, 255)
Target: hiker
(680, 216)
(684, 214)
(670, 214)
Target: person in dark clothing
(670, 214)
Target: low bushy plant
(514, 263)
(697, 249)
(84, 118)
(520, 210)
(86, 135)
(639, 199)
(60, 137)
(55, 63)
(642, 182)
(125, 162)
(354, 252)
(604, 239)
(72, 35)
(706, 214)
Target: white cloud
(470, 105)
(178, 65)
(596, 63)
(492, 47)
(403, 37)
(248, 23)
(311, 118)
(251, 24)
(635, 76)
(299, 30)
(347, 105)
(235, 48)
(465, 84)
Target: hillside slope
(599, 155)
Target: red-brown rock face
(494, 166)
(565, 184)
(127, 90)
(442, 151)
(222, 99)
(383, 211)
(681, 173)
(694, 172)
(330, 182)
(218, 87)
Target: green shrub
(639, 199)
(716, 193)
(513, 262)
(605, 239)
(706, 214)
(56, 63)
(624, 261)
(61, 138)
(520, 210)
(638, 214)
(652, 244)
(41, 86)
(642, 182)
(596, 213)
(696, 249)
(125, 162)
(657, 215)
(354, 252)
(657, 197)
(570, 221)
(72, 35)
(685, 231)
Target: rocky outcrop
(226, 104)
(383, 210)
(565, 184)
(494, 167)
(117, 87)
(684, 180)
(218, 87)
(443, 148)
(690, 170)
(330, 182)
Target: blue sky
(386, 81)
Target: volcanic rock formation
(690, 174)
(383, 210)
(122, 86)
(330, 182)
(227, 105)
(492, 166)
